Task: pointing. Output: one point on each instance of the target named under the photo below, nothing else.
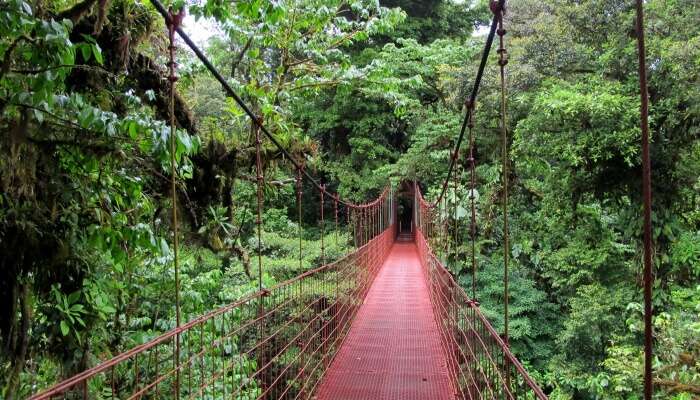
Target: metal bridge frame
(279, 341)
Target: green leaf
(164, 248)
(133, 129)
(64, 328)
(88, 38)
(86, 51)
(73, 297)
(107, 309)
(26, 8)
(78, 308)
(39, 116)
(97, 52)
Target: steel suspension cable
(366, 225)
(375, 220)
(258, 222)
(323, 226)
(646, 188)
(472, 187)
(358, 227)
(456, 184)
(174, 22)
(499, 11)
(445, 229)
(361, 226)
(259, 197)
(299, 228)
(352, 226)
(473, 94)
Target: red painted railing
(278, 343)
(480, 364)
(273, 344)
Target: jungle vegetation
(364, 92)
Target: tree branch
(239, 59)
(315, 84)
(77, 12)
(76, 66)
(7, 57)
(676, 386)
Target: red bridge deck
(393, 350)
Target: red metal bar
(323, 225)
(335, 208)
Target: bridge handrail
(366, 251)
(428, 257)
(512, 359)
(102, 367)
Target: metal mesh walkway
(393, 348)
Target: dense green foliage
(363, 92)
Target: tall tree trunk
(20, 351)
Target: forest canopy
(362, 93)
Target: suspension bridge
(386, 321)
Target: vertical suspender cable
(454, 199)
(368, 222)
(361, 226)
(299, 229)
(646, 187)
(375, 218)
(365, 225)
(445, 229)
(443, 247)
(472, 197)
(371, 222)
(499, 10)
(258, 221)
(175, 20)
(335, 208)
(352, 224)
(380, 209)
(365, 207)
(323, 226)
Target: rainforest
(121, 156)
